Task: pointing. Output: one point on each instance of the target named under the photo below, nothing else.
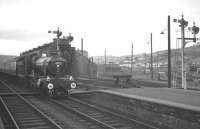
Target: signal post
(194, 30)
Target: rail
(20, 111)
(100, 116)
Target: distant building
(107, 70)
(85, 53)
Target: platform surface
(187, 99)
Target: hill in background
(160, 58)
(4, 58)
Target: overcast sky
(110, 24)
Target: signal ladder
(176, 64)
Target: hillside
(192, 55)
(4, 58)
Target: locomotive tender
(48, 68)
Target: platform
(186, 99)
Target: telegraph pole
(132, 58)
(82, 46)
(105, 56)
(169, 54)
(151, 58)
(157, 61)
(145, 63)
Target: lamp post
(169, 51)
(145, 63)
(151, 58)
(132, 58)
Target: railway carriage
(9, 67)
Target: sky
(110, 24)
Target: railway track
(10, 90)
(3, 88)
(21, 114)
(101, 117)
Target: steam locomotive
(47, 68)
